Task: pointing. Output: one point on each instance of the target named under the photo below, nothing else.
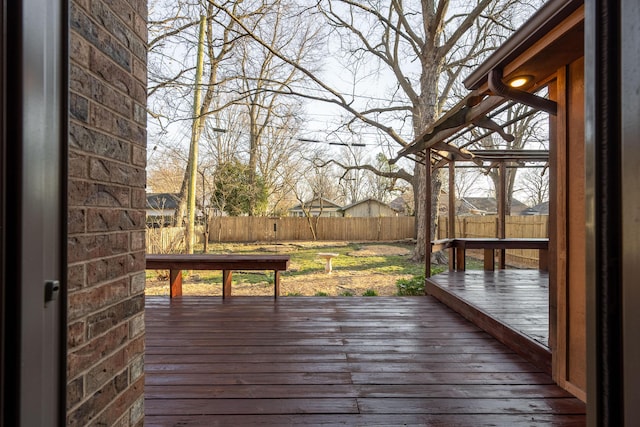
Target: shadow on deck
(337, 361)
(511, 305)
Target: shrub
(294, 294)
(370, 293)
(321, 294)
(411, 287)
(346, 294)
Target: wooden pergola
(447, 144)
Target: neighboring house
(368, 208)
(403, 204)
(541, 209)
(316, 207)
(486, 206)
(161, 209)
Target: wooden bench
(460, 245)
(175, 263)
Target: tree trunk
(420, 194)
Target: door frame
(34, 91)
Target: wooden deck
(512, 305)
(249, 361)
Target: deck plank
(512, 305)
(336, 361)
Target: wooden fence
(534, 226)
(167, 240)
(264, 229)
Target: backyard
(358, 269)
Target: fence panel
(169, 239)
(265, 229)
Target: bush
(321, 294)
(346, 294)
(370, 293)
(411, 287)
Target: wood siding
(567, 227)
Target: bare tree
(243, 115)
(534, 183)
(422, 47)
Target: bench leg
(175, 283)
(489, 260)
(276, 283)
(226, 283)
(452, 259)
(460, 255)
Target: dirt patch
(380, 250)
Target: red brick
(117, 173)
(96, 298)
(88, 247)
(107, 96)
(111, 73)
(93, 405)
(76, 333)
(138, 240)
(136, 262)
(90, 354)
(78, 167)
(136, 326)
(76, 221)
(85, 193)
(138, 283)
(79, 49)
(84, 139)
(105, 219)
(106, 269)
(76, 278)
(106, 319)
(138, 198)
(75, 391)
(122, 405)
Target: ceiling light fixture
(520, 81)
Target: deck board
(336, 361)
(512, 305)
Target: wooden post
(427, 214)
(175, 283)
(226, 283)
(502, 203)
(276, 283)
(452, 213)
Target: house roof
(317, 203)
(490, 204)
(369, 200)
(541, 209)
(162, 201)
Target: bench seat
(175, 263)
(490, 244)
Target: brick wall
(107, 154)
